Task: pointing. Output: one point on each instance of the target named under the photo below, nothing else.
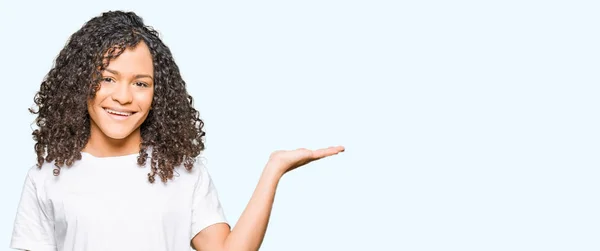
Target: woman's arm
(249, 232)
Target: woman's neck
(100, 145)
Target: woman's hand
(282, 162)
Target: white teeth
(119, 113)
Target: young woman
(117, 146)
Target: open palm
(292, 159)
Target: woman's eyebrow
(136, 76)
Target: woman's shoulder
(37, 174)
(198, 172)
(49, 170)
(198, 166)
(44, 169)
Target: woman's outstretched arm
(249, 232)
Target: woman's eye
(141, 84)
(109, 80)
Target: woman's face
(125, 95)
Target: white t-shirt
(108, 204)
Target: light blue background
(469, 125)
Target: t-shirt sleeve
(206, 208)
(33, 226)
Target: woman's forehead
(133, 60)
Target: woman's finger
(325, 152)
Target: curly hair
(173, 131)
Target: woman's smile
(118, 114)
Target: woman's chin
(118, 135)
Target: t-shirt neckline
(109, 157)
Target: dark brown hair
(173, 130)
